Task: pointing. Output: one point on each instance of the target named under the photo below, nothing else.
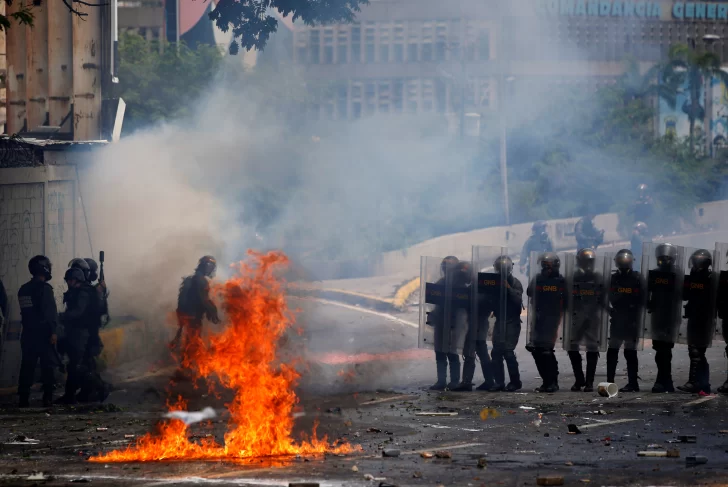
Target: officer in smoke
(699, 311)
(477, 345)
(194, 303)
(586, 320)
(40, 323)
(539, 241)
(661, 296)
(625, 298)
(639, 236)
(548, 293)
(80, 316)
(587, 235)
(643, 207)
(504, 346)
(443, 325)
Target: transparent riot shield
(626, 302)
(585, 323)
(444, 306)
(697, 320)
(663, 281)
(489, 297)
(547, 302)
(720, 269)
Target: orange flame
(243, 358)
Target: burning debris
(243, 358)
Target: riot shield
(663, 281)
(697, 321)
(720, 269)
(444, 307)
(489, 297)
(626, 302)
(547, 302)
(585, 323)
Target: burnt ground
(514, 447)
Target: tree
(688, 65)
(158, 84)
(24, 15)
(252, 25)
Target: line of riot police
(48, 335)
(586, 303)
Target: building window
(412, 51)
(440, 95)
(302, 55)
(356, 110)
(341, 102)
(398, 95)
(398, 53)
(328, 46)
(356, 44)
(314, 44)
(342, 47)
(399, 42)
(484, 46)
(440, 41)
(427, 52)
(369, 42)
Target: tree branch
(78, 12)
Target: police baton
(101, 259)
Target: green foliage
(24, 16)
(159, 82)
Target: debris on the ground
(687, 438)
(569, 464)
(129, 436)
(80, 481)
(654, 445)
(303, 484)
(385, 484)
(550, 480)
(723, 432)
(368, 476)
(22, 440)
(427, 454)
(354, 468)
(348, 424)
(191, 417)
(667, 432)
(433, 413)
(482, 462)
(486, 413)
(573, 429)
(417, 475)
(443, 454)
(510, 411)
(336, 410)
(102, 429)
(527, 408)
(37, 476)
(374, 430)
(695, 460)
(668, 453)
(391, 452)
(537, 422)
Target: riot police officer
(82, 265)
(504, 346)
(40, 322)
(587, 235)
(3, 304)
(643, 207)
(445, 353)
(539, 241)
(547, 292)
(79, 317)
(661, 296)
(625, 298)
(639, 236)
(699, 311)
(585, 320)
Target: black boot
(612, 361)
(24, 401)
(454, 370)
(538, 360)
(468, 372)
(48, 398)
(632, 368)
(513, 372)
(553, 367)
(441, 373)
(591, 369)
(663, 360)
(575, 358)
(499, 373)
(691, 386)
(724, 388)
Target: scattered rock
(303, 484)
(695, 460)
(385, 484)
(102, 429)
(347, 423)
(550, 480)
(426, 454)
(482, 462)
(573, 430)
(687, 439)
(368, 476)
(417, 475)
(37, 476)
(390, 452)
(443, 454)
(354, 468)
(374, 430)
(336, 410)
(723, 432)
(569, 464)
(667, 432)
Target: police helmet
(549, 260)
(207, 265)
(666, 254)
(93, 269)
(464, 272)
(586, 258)
(544, 237)
(624, 259)
(74, 273)
(40, 265)
(642, 188)
(81, 264)
(503, 263)
(448, 263)
(539, 226)
(701, 260)
(640, 227)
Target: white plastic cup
(607, 389)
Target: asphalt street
(367, 364)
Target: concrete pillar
(36, 42)
(87, 73)
(60, 64)
(15, 81)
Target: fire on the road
(243, 358)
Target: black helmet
(79, 263)
(544, 237)
(549, 260)
(640, 227)
(642, 188)
(93, 269)
(701, 260)
(503, 263)
(464, 272)
(538, 226)
(40, 265)
(624, 260)
(74, 273)
(448, 263)
(207, 265)
(666, 254)
(586, 258)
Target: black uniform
(661, 306)
(698, 291)
(81, 316)
(540, 242)
(504, 346)
(643, 210)
(477, 347)
(92, 381)
(587, 235)
(3, 303)
(194, 303)
(625, 298)
(723, 315)
(549, 293)
(40, 321)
